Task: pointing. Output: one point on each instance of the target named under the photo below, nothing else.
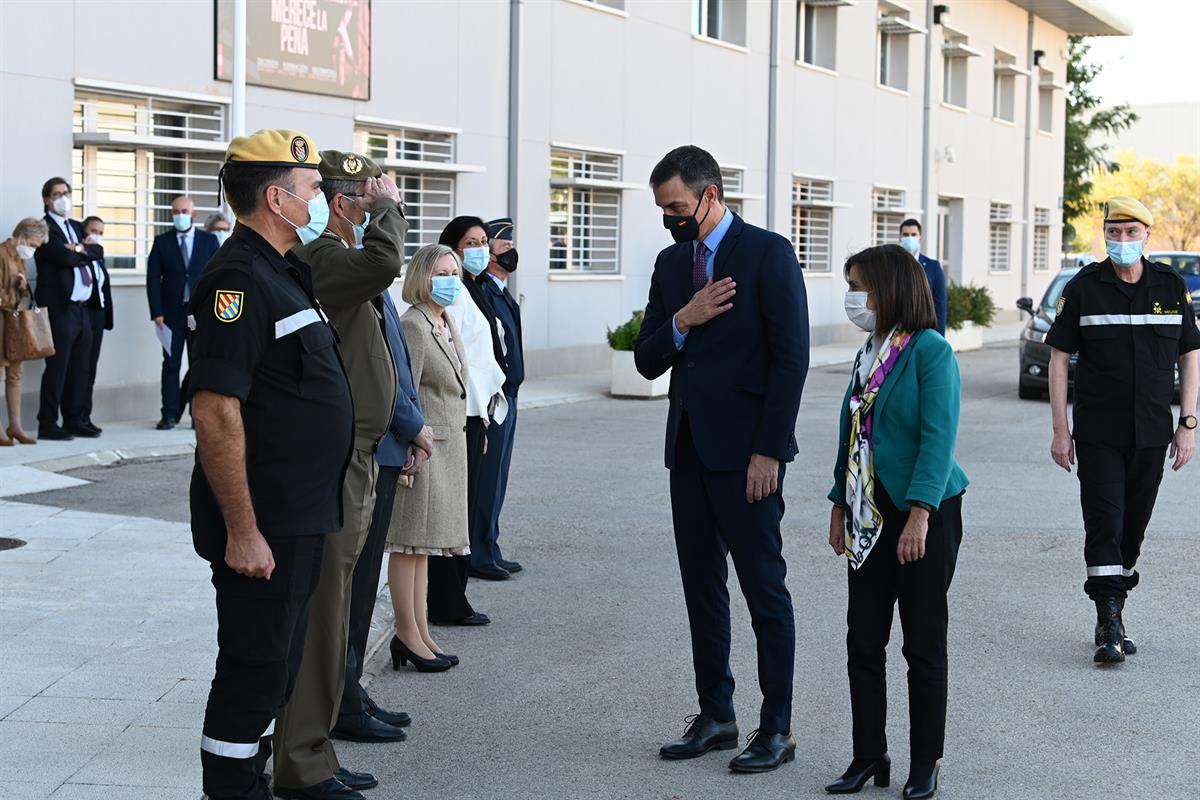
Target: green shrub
(969, 304)
(624, 337)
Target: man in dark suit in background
(176, 260)
(728, 315)
(910, 240)
(99, 313)
(65, 285)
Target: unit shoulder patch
(228, 305)
(1062, 302)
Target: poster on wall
(318, 46)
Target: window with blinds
(812, 223)
(585, 220)
(888, 205)
(1000, 237)
(407, 144)
(1041, 240)
(428, 206)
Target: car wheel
(1028, 392)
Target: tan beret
(273, 148)
(1127, 209)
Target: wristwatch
(1188, 422)
(78, 248)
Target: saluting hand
(1062, 450)
(912, 539)
(1183, 447)
(249, 554)
(711, 301)
(383, 186)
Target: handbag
(27, 333)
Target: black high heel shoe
(451, 658)
(922, 780)
(859, 772)
(401, 655)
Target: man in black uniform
(274, 431)
(1131, 322)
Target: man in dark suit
(176, 260)
(910, 240)
(65, 285)
(728, 315)
(99, 313)
(493, 474)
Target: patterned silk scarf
(864, 523)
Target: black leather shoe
(859, 772)
(82, 432)
(453, 659)
(1127, 644)
(471, 620)
(491, 572)
(165, 424)
(331, 789)
(510, 566)
(356, 780)
(922, 780)
(93, 426)
(55, 434)
(397, 719)
(366, 728)
(1111, 638)
(703, 733)
(401, 655)
(766, 751)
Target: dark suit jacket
(166, 272)
(739, 378)
(56, 265)
(407, 420)
(937, 284)
(106, 290)
(509, 312)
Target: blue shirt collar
(500, 283)
(713, 240)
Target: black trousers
(447, 597)
(181, 339)
(1117, 489)
(260, 642)
(96, 318)
(64, 381)
(364, 589)
(712, 520)
(920, 586)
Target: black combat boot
(1127, 644)
(1110, 633)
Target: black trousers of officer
(96, 320)
(1117, 490)
(920, 587)
(364, 588)
(64, 381)
(447, 596)
(260, 642)
(712, 521)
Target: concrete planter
(968, 337)
(627, 382)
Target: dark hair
(896, 280)
(332, 188)
(91, 219)
(911, 223)
(49, 185)
(244, 185)
(457, 228)
(694, 166)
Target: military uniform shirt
(261, 337)
(1129, 339)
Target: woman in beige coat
(14, 286)
(430, 516)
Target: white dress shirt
(79, 291)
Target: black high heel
(859, 772)
(451, 658)
(401, 655)
(922, 780)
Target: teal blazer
(916, 426)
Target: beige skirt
(405, 550)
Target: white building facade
(554, 112)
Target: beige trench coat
(433, 513)
(11, 266)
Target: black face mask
(685, 228)
(508, 260)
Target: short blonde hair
(31, 228)
(418, 278)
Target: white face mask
(221, 236)
(62, 206)
(857, 311)
(24, 252)
(97, 238)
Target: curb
(104, 458)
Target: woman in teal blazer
(897, 513)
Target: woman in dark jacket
(897, 513)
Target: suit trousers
(713, 520)
(364, 591)
(64, 382)
(96, 318)
(181, 338)
(493, 486)
(447, 596)
(1117, 489)
(920, 587)
(260, 641)
(304, 753)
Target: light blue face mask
(475, 259)
(182, 222)
(318, 217)
(911, 243)
(1124, 254)
(361, 230)
(445, 289)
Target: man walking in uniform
(1131, 321)
(348, 282)
(274, 432)
(736, 380)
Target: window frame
(1000, 224)
(584, 184)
